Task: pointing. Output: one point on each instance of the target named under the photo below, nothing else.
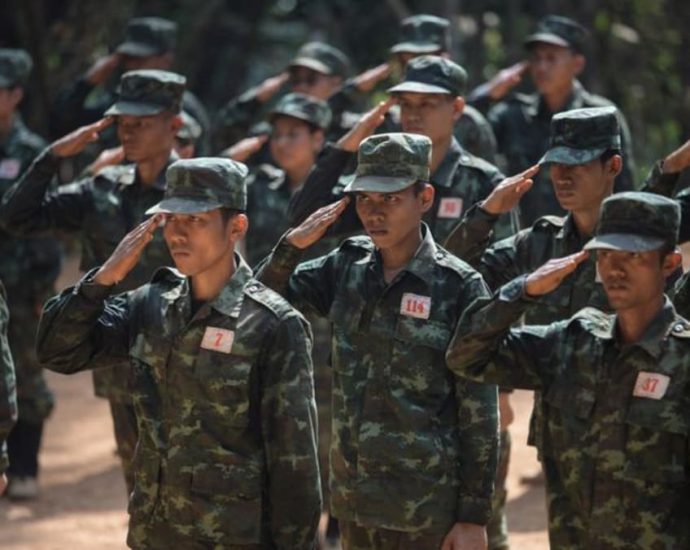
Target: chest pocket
(572, 405)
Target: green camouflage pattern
(581, 135)
(636, 222)
(357, 537)
(616, 464)
(423, 33)
(28, 268)
(560, 31)
(148, 92)
(322, 58)
(15, 67)
(303, 107)
(203, 184)
(148, 36)
(413, 448)
(8, 396)
(522, 126)
(224, 400)
(434, 75)
(387, 163)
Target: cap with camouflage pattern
(431, 74)
(190, 129)
(15, 66)
(388, 163)
(423, 33)
(634, 221)
(322, 58)
(148, 36)
(148, 92)
(560, 31)
(579, 136)
(303, 107)
(202, 184)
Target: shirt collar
(575, 101)
(658, 330)
(442, 176)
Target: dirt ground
(82, 503)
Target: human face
(161, 62)
(146, 137)
(294, 144)
(307, 81)
(432, 115)
(9, 99)
(634, 280)
(393, 219)
(202, 242)
(582, 187)
(553, 68)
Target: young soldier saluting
(616, 394)
(221, 375)
(413, 453)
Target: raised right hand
(102, 68)
(126, 255)
(245, 148)
(678, 160)
(316, 225)
(507, 194)
(365, 126)
(550, 275)
(506, 79)
(75, 142)
(269, 87)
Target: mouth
(376, 232)
(179, 253)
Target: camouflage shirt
(8, 398)
(102, 210)
(668, 185)
(461, 180)
(224, 400)
(616, 450)
(414, 448)
(522, 129)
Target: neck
(397, 257)
(632, 323)
(208, 284)
(557, 99)
(586, 221)
(438, 152)
(6, 125)
(296, 176)
(148, 170)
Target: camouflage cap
(322, 58)
(148, 36)
(560, 31)
(423, 33)
(388, 163)
(202, 184)
(582, 135)
(303, 107)
(15, 66)
(148, 92)
(636, 222)
(190, 129)
(431, 74)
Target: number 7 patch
(218, 339)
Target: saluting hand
(366, 81)
(126, 255)
(316, 225)
(508, 193)
(506, 79)
(550, 275)
(269, 87)
(245, 148)
(75, 142)
(365, 126)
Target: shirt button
(679, 328)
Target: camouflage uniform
(8, 396)
(84, 103)
(667, 185)
(414, 449)
(616, 453)
(223, 391)
(102, 209)
(521, 126)
(28, 268)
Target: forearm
(276, 270)
(660, 182)
(470, 238)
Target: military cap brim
(546, 38)
(378, 184)
(571, 156)
(418, 88)
(292, 114)
(416, 47)
(626, 242)
(182, 205)
(311, 63)
(134, 108)
(138, 49)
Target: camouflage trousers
(126, 434)
(356, 537)
(161, 536)
(497, 528)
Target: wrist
(103, 278)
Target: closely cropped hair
(228, 213)
(606, 155)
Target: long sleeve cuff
(91, 291)
(473, 509)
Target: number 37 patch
(218, 339)
(651, 385)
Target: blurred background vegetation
(639, 51)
